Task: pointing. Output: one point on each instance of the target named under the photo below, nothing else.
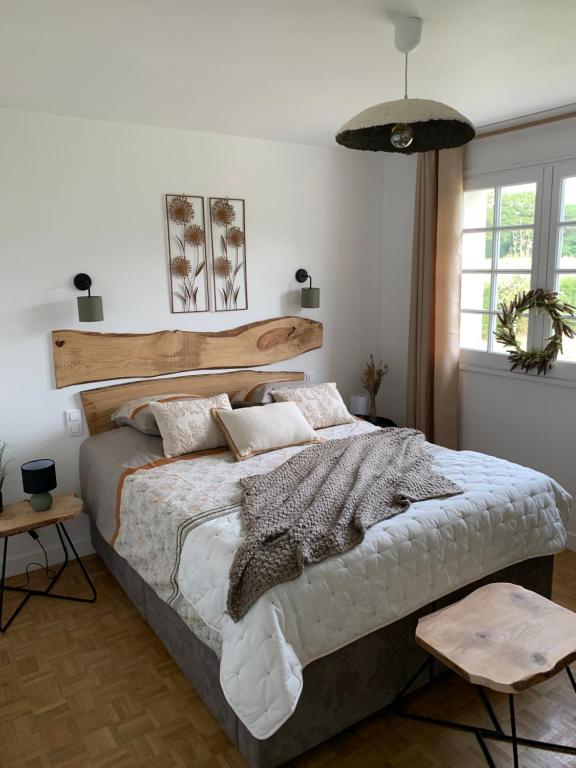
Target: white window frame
(548, 178)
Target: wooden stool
(502, 637)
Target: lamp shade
(433, 125)
(359, 405)
(39, 476)
(90, 309)
(310, 298)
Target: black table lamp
(39, 478)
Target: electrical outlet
(311, 377)
(74, 425)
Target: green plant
(509, 317)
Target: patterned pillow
(187, 426)
(137, 413)
(321, 404)
(261, 394)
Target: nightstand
(21, 518)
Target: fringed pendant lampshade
(406, 125)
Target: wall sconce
(310, 298)
(89, 307)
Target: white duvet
(507, 514)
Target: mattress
(178, 523)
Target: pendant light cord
(406, 75)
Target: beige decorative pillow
(137, 413)
(250, 431)
(321, 404)
(187, 425)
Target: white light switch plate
(74, 422)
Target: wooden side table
(504, 638)
(20, 518)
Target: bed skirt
(339, 689)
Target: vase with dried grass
(371, 380)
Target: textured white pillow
(250, 431)
(187, 425)
(322, 404)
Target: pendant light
(406, 125)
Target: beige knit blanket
(322, 501)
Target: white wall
(397, 220)
(532, 421)
(79, 195)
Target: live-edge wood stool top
(501, 636)
(20, 517)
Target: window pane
(474, 331)
(477, 250)
(507, 286)
(478, 208)
(567, 289)
(567, 248)
(521, 335)
(517, 204)
(475, 291)
(569, 345)
(515, 249)
(568, 210)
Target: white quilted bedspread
(507, 514)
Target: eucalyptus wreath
(509, 315)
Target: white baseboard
(571, 542)
(17, 563)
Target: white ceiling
(290, 70)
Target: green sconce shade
(90, 309)
(310, 298)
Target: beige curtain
(434, 341)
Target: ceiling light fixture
(406, 125)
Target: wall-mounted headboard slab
(83, 356)
(99, 404)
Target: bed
(318, 654)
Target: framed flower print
(187, 253)
(228, 235)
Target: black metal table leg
(47, 592)
(484, 734)
(60, 527)
(513, 729)
(489, 709)
(571, 676)
(485, 751)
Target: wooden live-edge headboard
(81, 356)
(99, 404)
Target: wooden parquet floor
(90, 686)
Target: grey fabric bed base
(339, 689)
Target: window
(564, 262)
(519, 232)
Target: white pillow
(187, 425)
(322, 404)
(250, 431)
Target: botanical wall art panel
(187, 253)
(228, 234)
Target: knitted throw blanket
(321, 502)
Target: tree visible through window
(502, 254)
